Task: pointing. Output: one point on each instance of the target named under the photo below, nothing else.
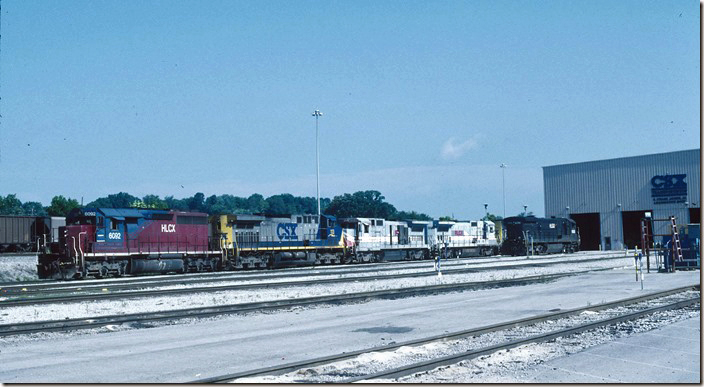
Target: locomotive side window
(83, 220)
(113, 224)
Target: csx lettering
(669, 181)
(287, 231)
(168, 228)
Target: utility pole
(503, 185)
(317, 114)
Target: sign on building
(669, 189)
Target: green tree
(197, 202)
(447, 219)
(61, 206)
(280, 204)
(176, 204)
(119, 200)
(404, 215)
(256, 204)
(33, 209)
(10, 205)
(364, 204)
(153, 201)
(492, 217)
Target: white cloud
(453, 149)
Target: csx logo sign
(168, 228)
(668, 181)
(287, 231)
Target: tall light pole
(503, 185)
(317, 114)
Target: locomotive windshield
(78, 220)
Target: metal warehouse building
(608, 198)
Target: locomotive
(100, 242)
(107, 241)
(257, 241)
(539, 235)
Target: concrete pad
(670, 354)
(205, 348)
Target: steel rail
(289, 367)
(206, 311)
(192, 278)
(106, 292)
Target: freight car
(539, 235)
(28, 233)
(105, 241)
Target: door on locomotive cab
(323, 227)
(403, 235)
(101, 229)
(115, 231)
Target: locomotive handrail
(74, 249)
(81, 247)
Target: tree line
(364, 204)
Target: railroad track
(117, 291)
(208, 311)
(343, 376)
(192, 278)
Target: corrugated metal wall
(600, 186)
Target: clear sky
(422, 100)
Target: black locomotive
(528, 234)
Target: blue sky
(422, 100)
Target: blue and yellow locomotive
(256, 241)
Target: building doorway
(631, 227)
(589, 227)
(695, 215)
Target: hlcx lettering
(168, 228)
(287, 231)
